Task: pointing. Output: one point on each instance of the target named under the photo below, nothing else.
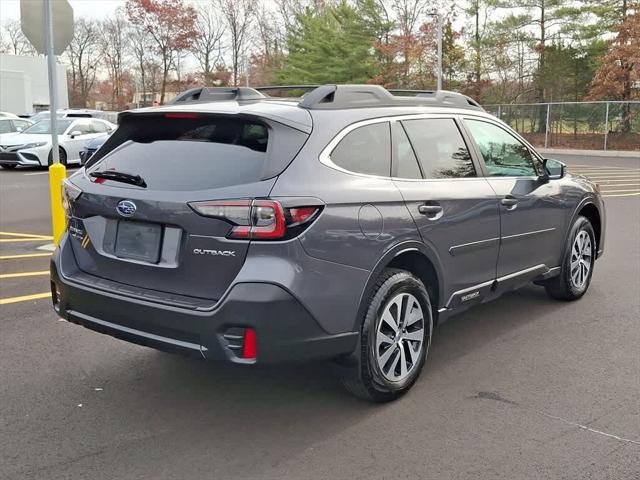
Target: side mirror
(75, 133)
(553, 169)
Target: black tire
(63, 157)
(365, 379)
(563, 287)
(8, 166)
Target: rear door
(453, 207)
(148, 236)
(532, 213)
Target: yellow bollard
(57, 173)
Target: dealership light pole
(48, 25)
(53, 80)
(439, 23)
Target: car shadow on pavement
(483, 323)
(312, 390)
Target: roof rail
(354, 96)
(331, 97)
(217, 94)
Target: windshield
(45, 127)
(5, 126)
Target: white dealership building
(24, 86)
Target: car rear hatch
(135, 218)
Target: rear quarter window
(366, 149)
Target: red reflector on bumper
(249, 344)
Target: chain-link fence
(581, 125)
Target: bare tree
(290, 10)
(171, 25)
(83, 55)
(239, 15)
(14, 41)
(114, 49)
(207, 48)
(139, 44)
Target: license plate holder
(138, 241)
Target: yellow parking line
(25, 255)
(29, 239)
(24, 298)
(24, 274)
(27, 235)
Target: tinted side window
(440, 148)
(20, 125)
(99, 127)
(503, 154)
(366, 149)
(83, 128)
(406, 163)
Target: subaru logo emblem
(126, 208)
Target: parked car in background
(33, 145)
(9, 125)
(7, 115)
(247, 229)
(90, 148)
(78, 113)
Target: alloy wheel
(400, 337)
(581, 259)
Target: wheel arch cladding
(417, 263)
(414, 258)
(591, 212)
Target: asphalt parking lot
(521, 388)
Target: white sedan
(33, 145)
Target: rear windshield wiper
(120, 177)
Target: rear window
(181, 151)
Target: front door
(454, 208)
(532, 217)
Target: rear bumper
(285, 330)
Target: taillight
(70, 194)
(181, 115)
(258, 219)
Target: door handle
(509, 201)
(430, 210)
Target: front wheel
(577, 265)
(61, 153)
(394, 340)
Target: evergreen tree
(331, 45)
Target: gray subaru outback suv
(244, 228)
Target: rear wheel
(62, 154)
(8, 166)
(577, 265)
(394, 340)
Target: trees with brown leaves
(171, 26)
(618, 78)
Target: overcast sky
(10, 9)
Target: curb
(591, 153)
